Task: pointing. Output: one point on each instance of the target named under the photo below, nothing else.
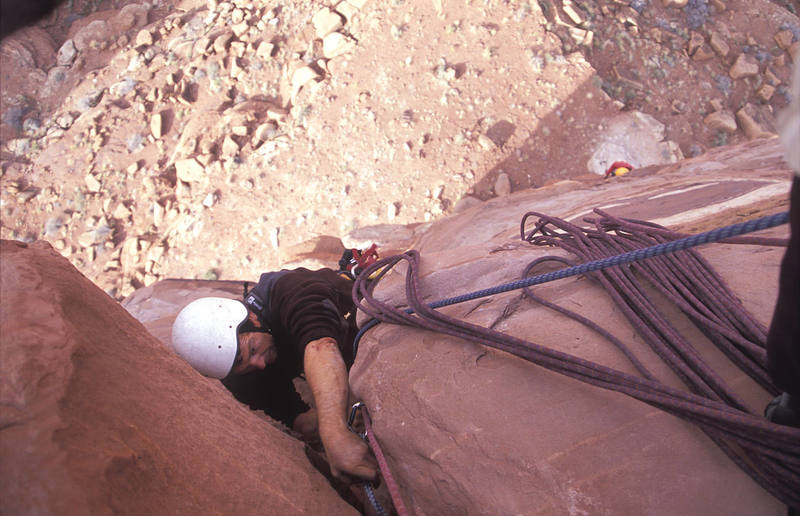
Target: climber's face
(256, 350)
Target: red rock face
(467, 429)
(100, 418)
(471, 430)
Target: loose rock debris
(317, 119)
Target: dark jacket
(783, 342)
(298, 306)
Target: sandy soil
(206, 140)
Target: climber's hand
(327, 376)
(306, 425)
(350, 456)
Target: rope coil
(768, 452)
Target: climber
(292, 322)
(783, 341)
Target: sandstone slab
(101, 418)
(301, 77)
(347, 10)
(156, 125)
(704, 53)
(502, 185)
(265, 49)
(765, 92)
(696, 40)
(472, 430)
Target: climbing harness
(768, 452)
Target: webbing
(770, 453)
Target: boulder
(502, 186)
(468, 429)
(750, 120)
(326, 21)
(336, 44)
(24, 57)
(721, 121)
(634, 137)
(315, 253)
(58, 79)
(129, 17)
(95, 33)
(744, 66)
(66, 54)
(39, 43)
(100, 418)
(189, 170)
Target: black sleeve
(270, 390)
(309, 306)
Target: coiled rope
(768, 452)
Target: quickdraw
(354, 261)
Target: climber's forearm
(327, 376)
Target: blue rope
(374, 501)
(714, 235)
(681, 244)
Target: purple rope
(768, 452)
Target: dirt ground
(208, 139)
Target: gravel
(697, 13)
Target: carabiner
(352, 418)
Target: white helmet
(204, 334)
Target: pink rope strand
(394, 490)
